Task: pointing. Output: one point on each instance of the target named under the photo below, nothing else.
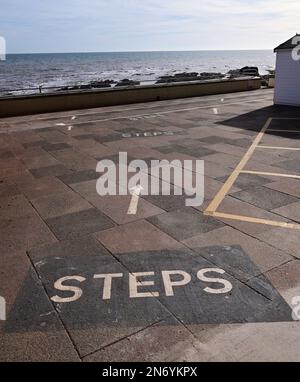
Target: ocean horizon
(30, 70)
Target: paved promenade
(82, 279)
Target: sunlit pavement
(222, 281)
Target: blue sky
(145, 25)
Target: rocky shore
(178, 77)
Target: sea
(27, 71)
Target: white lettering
(107, 283)
(227, 285)
(59, 286)
(186, 278)
(134, 284)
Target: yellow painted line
(232, 178)
(278, 147)
(270, 174)
(250, 219)
(285, 131)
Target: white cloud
(148, 24)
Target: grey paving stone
(161, 342)
(49, 171)
(55, 146)
(167, 202)
(108, 138)
(167, 149)
(79, 176)
(293, 166)
(82, 246)
(229, 237)
(24, 233)
(197, 152)
(232, 259)
(58, 204)
(115, 158)
(33, 330)
(94, 322)
(32, 316)
(291, 211)
(193, 304)
(265, 198)
(85, 136)
(185, 223)
(79, 223)
(245, 181)
(242, 142)
(39, 143)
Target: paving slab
(184, 223)
(292, 166)
(286, 280)
(49, 171)
(263, 255)
(65, 202)
(245, 181)
(116, 208)
(161, 342)
(287, 186)
(79, 176)
(208, 298)
(79, 223)
(136, 236)
(93, 321)
(282, 238)
(259, 342)
(266, 199)
(35, 188)
(48, 341)
(291, 211)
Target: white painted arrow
(135, 192)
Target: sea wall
(72, 100)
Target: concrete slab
(66, 202)
(287, 186)
(264, 256)
(136, 236)
(184, 223)
(79, 223)
(49, 171)
(161, 342)
(265, 198)
(91, 321)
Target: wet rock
(245, 71)
(101, 84)
(211, 76)
(186, 75)
(127, 82)
(192, 76)
(92, 85)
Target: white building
(287, 76)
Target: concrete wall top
(85, 99)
